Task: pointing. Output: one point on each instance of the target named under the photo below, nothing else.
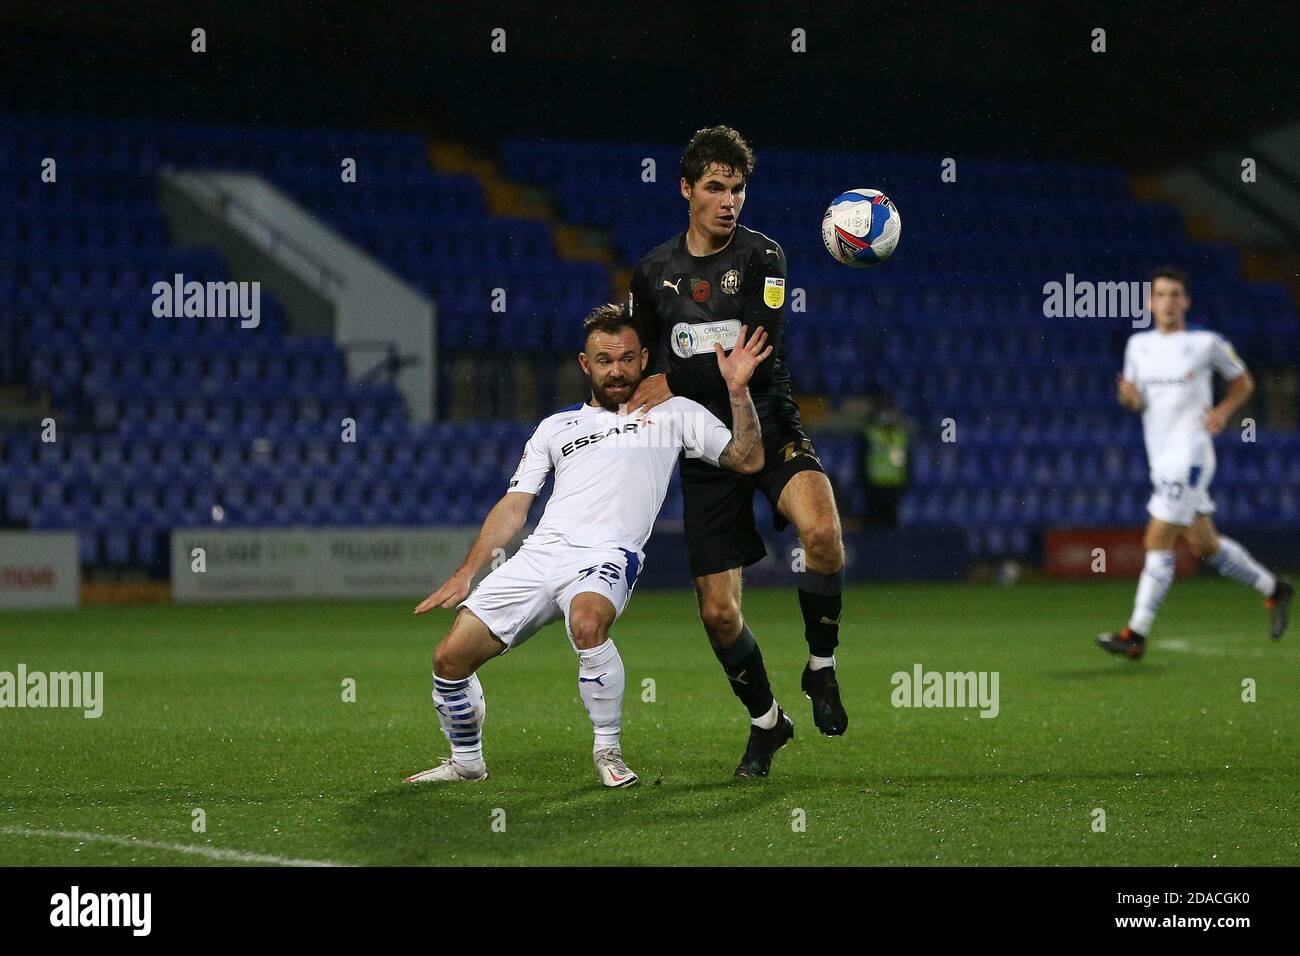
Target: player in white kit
(582, 560)
(1168, 372)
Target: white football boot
(449, 770)
(613, 771)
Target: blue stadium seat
(953, 328)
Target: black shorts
(718, 505)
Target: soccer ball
(861, 228)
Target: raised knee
(824, 548)
(447, 665)
(721, 619)
(587, 630)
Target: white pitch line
(1188, 647)
(211, 853)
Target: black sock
(742, 662)
(821, 599)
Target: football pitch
(235, 717)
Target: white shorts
(1180, 494)
(538, 584)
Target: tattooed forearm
(744, 453)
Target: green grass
(238, 711)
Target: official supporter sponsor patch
(773, 292)
(688, 340)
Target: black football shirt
(682, 304)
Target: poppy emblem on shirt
(700, 290)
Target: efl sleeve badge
(773, 292)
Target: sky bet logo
(134, 910)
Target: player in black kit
(695, 290)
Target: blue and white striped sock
(461, 709)
(1234, 561)
(1153, 585)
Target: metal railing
(257, 227)
(391, 363)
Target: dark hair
(717, 144)
(606, 318)
(1170, 272)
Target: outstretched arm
(744, 453)
(499, 527)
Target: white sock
(1234, 561)
(461, 709)
(816, 663)
(1153, 585)
(600, 682)
(768, 720)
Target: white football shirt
(1174, 372)
(611, 470)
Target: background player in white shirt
(1168, 372)
(582, 559)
